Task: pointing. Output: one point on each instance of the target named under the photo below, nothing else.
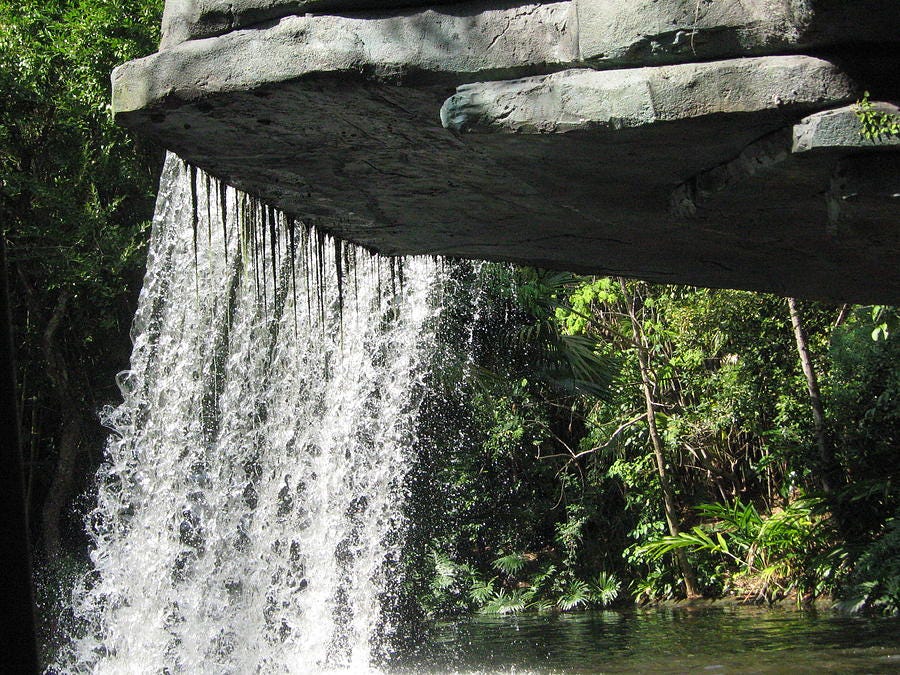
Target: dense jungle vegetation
(76, 198)
(608, 441)
(620, 441)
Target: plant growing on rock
(875, 124)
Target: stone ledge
(587, 99)
(370, 162)
(762, 156)
(839, 130)
(646, 32)
(334, 119)
(611, 33)
(420, 47)
(196, 19)
(863, 195)
(649, 32)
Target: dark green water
(713, 640)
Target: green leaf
(510, 564)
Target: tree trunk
(671, 512)
(59, 493)
(56, 503)
(19, 650)
(829, 473)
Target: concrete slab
(613, 33)
(370, 161)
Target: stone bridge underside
(709, 142)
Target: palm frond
(482, 590)
(604, 589)
(505, 603)
(510, 564)
(576, 594)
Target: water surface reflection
(665, 640)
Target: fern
(768, 548)
(544, 576)
(445, 571)
(542, 605)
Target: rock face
(709, 142)
(585, 99)
(192, 19)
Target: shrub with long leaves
(773, 553)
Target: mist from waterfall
(252, 490)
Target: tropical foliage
(76, 195)
(520, 582)
(771, 555)
(546, 485)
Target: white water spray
(251, 491)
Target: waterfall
(251, 491)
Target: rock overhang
(513, 132)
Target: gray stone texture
(412, 47)
(193, 19)
(863, 199)
(724, 155)
(611, 32)
(648, 31)
(589, 99)
(616, 32)
(838, 130)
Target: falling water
(249, 498)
